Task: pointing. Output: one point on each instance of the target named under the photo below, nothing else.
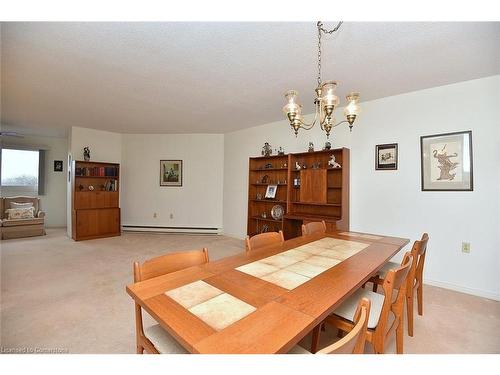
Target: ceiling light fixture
(325, 101)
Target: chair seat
(297, 349)
(386, 268)
(163, 342)
(348, 307)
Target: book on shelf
(96, 171)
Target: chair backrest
(417, 265)
(396, 279)
(354, 341)
(264, 239)
(421, 256)
(314, 227)
(169, 263)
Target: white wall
(104, 146)
(391, 202)
(198, 203)
(53, 201)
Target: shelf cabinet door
(98, 222)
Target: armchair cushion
(20, 213)
(21, 205)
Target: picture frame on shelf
(446, 162)
(171, 173)
(386, 157)
(271, 191)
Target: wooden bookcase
(95, 200)
(321, 194)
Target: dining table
(264, 301)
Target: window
(20, 170)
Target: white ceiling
(218, 77)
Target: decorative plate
(277, 212)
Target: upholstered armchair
(18, 227)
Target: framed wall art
(170, 172)
(58, 165)
(446, 162)
(386, 156)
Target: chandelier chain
(321, 29)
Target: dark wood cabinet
(313, 192)
(95, 200)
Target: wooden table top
(280, 317)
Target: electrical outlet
(466, 247)
(171, 215)
(155, 215)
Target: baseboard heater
(157, 229)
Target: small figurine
(332, 163)
(285, 165)
(281, 151)
(328, 146)
(311, 147)
(304, 166)
(259, 196)
(268, 166)
(316, 165)
(86, 153)
(297, 166)
(91, 188)
(264, 215)
(267, 149)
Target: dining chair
(354, 341)
(386, 312)
(314, 227)
(415, 279)
(155, 339)
(264, 239)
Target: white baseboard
(459, 288)
(186, 230)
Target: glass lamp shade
(352, 107)
(292, 106)
(328, 96)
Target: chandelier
(326, 101)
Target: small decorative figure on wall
(86, 153)
(332, 163)
(297, 166)
(267, 149)
(311, 147)
(58, 165)
(328, 146)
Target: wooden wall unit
(323, 193)
(95, 213)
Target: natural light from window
(20, 168)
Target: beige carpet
(61, 295)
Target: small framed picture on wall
(446, 161)
(170, 172)
(386, 156)
(58, 165)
